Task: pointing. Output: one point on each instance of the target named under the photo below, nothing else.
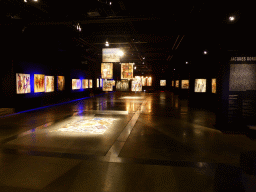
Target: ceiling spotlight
(121, 53)
(107, 43)
(144, 58)
(134, 67)
(186, 62)
(110, 3)
(25, 1)
(205, 52)
(231, 18)
(35, 0)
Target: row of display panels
(126, 70)
(200, 85)
(43, 83)
(123, 85)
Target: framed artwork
(39, 83)
(149, 81)
(126, 70)
(136, 84)
(213, 85)
(144, 81)
(177, 83)
(184, 84)
(22, 83)
(107, 70)
(49, 83)
(60, 83)
(162, 83)
(76, 84)
(98, 83)
(90, 83)
(84, 83)
(172, 83)
(107, 85)
(200, 85)
(110, 55)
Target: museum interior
(119, 95)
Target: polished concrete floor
(123, 142)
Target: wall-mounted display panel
(107, 70)
(84, 83)
(162, 83)
(177, 83)
(90, 83)
(136, 84)
(22, 83)
(144, 81)
(107, 85)
(200, 85)
(213, 85)
(149, 81)
(184, 84)
(127, 70)
(76, 84)
(39, 83)
(172, 83)
(98, 83)
(122, 85)
(110, 55)
(49, 83)
(60, 83)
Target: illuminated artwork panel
(49, 83)
(177, 83)
(144, 81)
(149, 81)
(136, 84)
(60, 83)
(122, 85)
(98, 83)
(184, 84)
(172, 83)
(126, 70)
(213, 85)
(90, 83)
(107, 85)
(110, 55)
(39, 83)
(107, 70)
(200, 85)
(22, 83)
(76, 84)
(162, 83)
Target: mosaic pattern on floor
(87, 125)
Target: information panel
(200, 85)
(126, 70)
(22, 83)
(107, 70)
(39, 83)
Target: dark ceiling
(163, 32)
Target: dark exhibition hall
(127, 96)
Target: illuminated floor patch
(86, 125)
(131, 97)
(108, 112)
